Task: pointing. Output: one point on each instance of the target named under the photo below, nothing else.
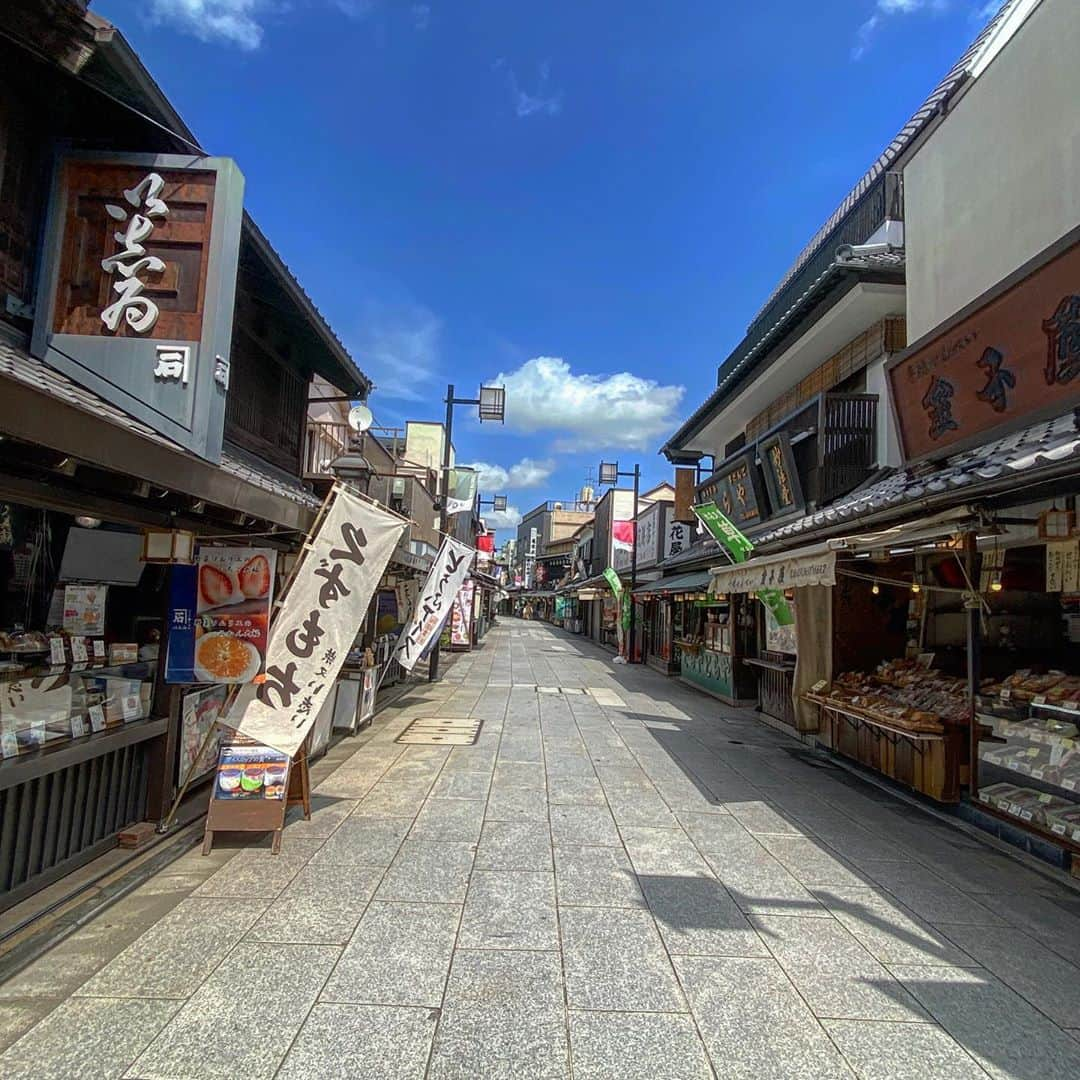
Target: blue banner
(180, 645)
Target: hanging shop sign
(1010, 358)
(612, 578)
(723, 531)
(736, 490)
(317, 622)
(1062, 566)
(460, 490)
(449, 570)
(781, 475)
(219, 616)
(136, 294)
(649, 529)
(792, 571)
(461, 615)
(677, 538)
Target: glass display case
(42, 706)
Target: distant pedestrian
(527, 611)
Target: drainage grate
(441, 731)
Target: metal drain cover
(441, 731)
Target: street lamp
(610, 474)
(496, 502)
(490, 405)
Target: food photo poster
(219, 616)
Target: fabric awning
(695, 582)
(814, 565)
(591, 594)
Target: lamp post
(491, 405)
(610, 474)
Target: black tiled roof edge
(1039, 446)
(16, 363)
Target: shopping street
(621, 878)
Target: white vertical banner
(461, 490)
(449, 570)
(317, 623)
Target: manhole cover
(441, 731)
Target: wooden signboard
(254, 786)
(1011, 358)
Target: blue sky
(589, 199)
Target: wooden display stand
(261, 815)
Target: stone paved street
(622, 878)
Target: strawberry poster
(220, 616)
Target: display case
(42, 706)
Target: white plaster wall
(888, 445)
(999, 180)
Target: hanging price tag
(130, 707)
(78, 727)
(78, 650)
(819, 686)
(1006, 693)
(99, 648)
(1039, 699)
(97, 718)
(57, 657)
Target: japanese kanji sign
(1012, 356)
(315, 628)
(448, 572)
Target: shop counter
(717, 673)
(775, 685)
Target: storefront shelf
(25, 767)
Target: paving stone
(1048, 981)
(759, 884)
(696, 916)
(320, 906)
(399, 955)
(838, 978)
(393, 800)
(595, 877)
(811, 862)
(886, 1050)
(580, 789)
(175, 955)
(998, 1028)
(759, 816)
(636, 1046)
(519, 774)
(514, 845)
(516, 804)
(615, 960)
(663, 852)
(86, 1038)
(929, 896)
(425, 872)
(462, 785)
(574, 824)
(754, 1023)
(361, 1042)
(510, 909)
(327, 814)
(363, 841)
(449, 819)
(504, 1017)
(716, 832)
(257, 874)
(243, 1019)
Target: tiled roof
(17, 364)
(1013, 456)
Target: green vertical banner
(740, 549)
(723, 531)
(626, 602)
(612, 578)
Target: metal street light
(496, 502)
(490, 405)
(609, 474)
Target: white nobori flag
(318, 621)
(450, 569)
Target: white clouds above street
(526, 473)
(544, 101)
(883, 9)
(588, 412)
(234, 22)
(510, 518)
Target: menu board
(250, 772)
(84, 609)
(200, 712)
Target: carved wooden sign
(1011, 358)
(135, 299)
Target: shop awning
(815, 565)
(683, 583)
(592, 594)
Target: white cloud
(591, 411)
(510, 518)
(234, 22)
(398, 347)
(526, 473)
(866, 33)
(544, 101)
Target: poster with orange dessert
(220, 616)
